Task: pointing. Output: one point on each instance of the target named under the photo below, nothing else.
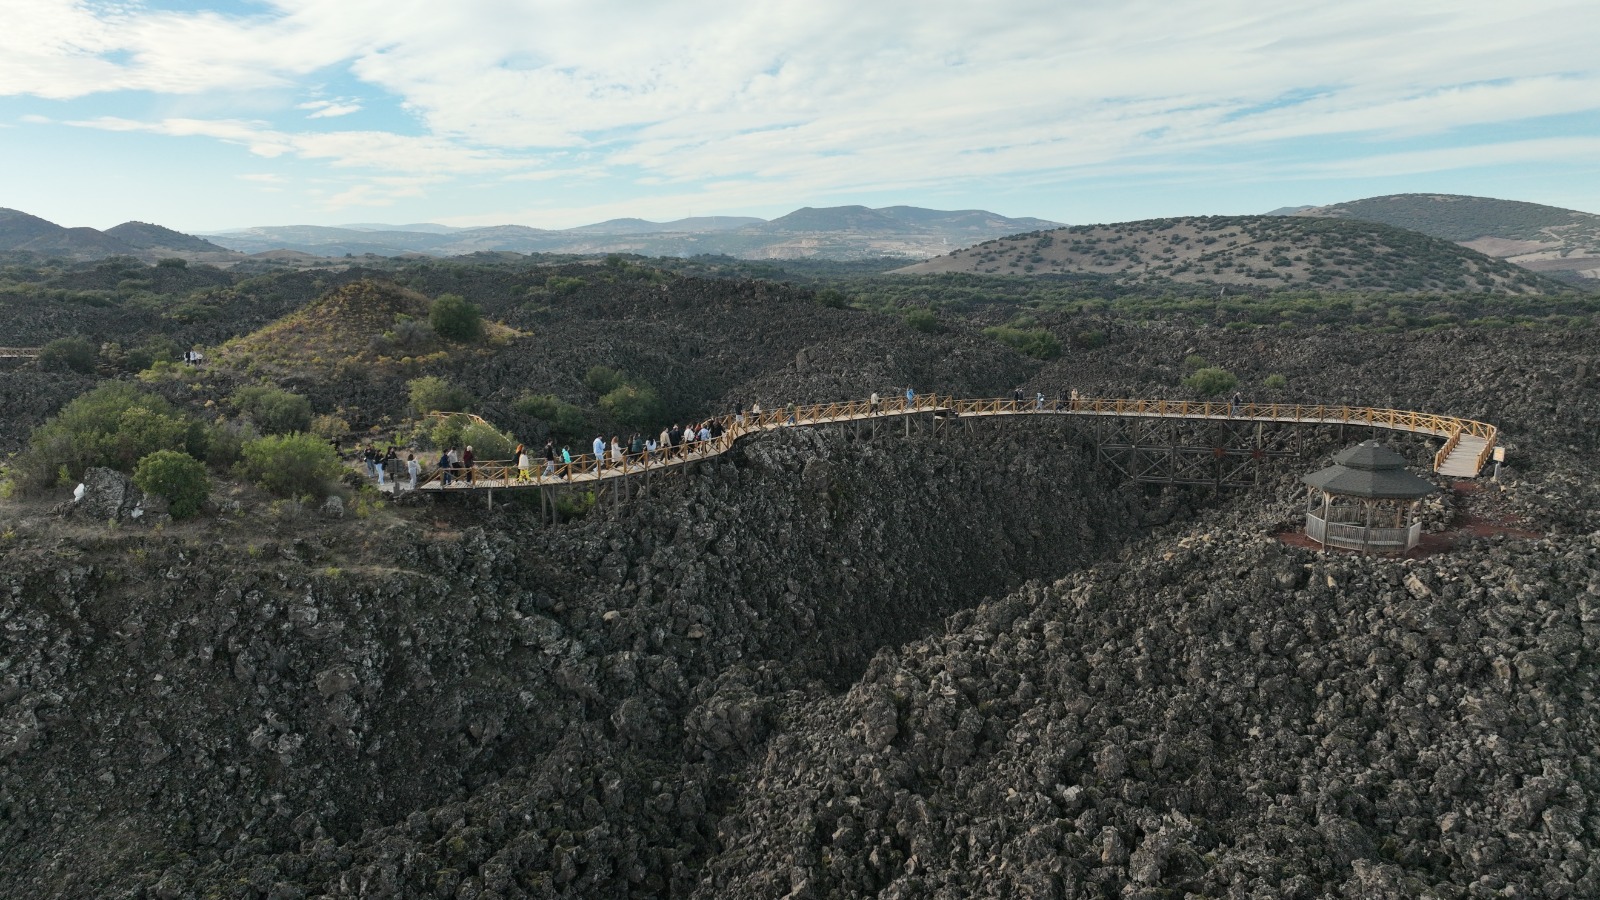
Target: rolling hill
(1537, 237)
(1261, 251)
(21, 232)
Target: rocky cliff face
(1207, 720)
(355, 708)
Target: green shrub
(329, 427)
(1089, 340)
(273, 410)
(225, 442)
(452, 317)
(409, 333)
(832, 298)
(487, 443)
(634, 405)
(172, 262)
(178, 477)
(1035, 342)
(923, 320)
(563, 284)
(152, 351)
(434, 394)
(114, 425)
(69, 354)
(603, 379)
(291, 465)
(1276, 382)
(564, 419)
(1194, 361)
(1211, 381)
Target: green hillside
(1261, 251)
(1459, 218)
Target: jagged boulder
(107, 495)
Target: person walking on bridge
(566, 460)
(1038, 402)
(469, 466)
(911, 397)
(413, 468)
(1016, 399)
(599, 448)
(445, 465)
(523, 464)
(872, 404)
(549, 453)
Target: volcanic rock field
(971, 661)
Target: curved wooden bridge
(1467, 443)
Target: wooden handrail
(586, 468)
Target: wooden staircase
(1462, 461)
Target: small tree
(433, 394)
(486, 442)
(291, 465)
(923, 320)
(603, 379)
(178, 477)
(1211, 381)
(1276, 382)
(564, 419)
(69, 354)
(634, 405)
(832, 298)
(452, 317)
(172, 262)
(274, 411)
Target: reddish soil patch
(1476, 517)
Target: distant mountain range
(1545, 239)
(1560, 242)
(838, 232)
(24, 233)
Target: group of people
(387, 466)
(676, 442)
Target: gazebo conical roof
(1370, 470)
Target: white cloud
(826, 96)
(328, 109)
(379, 150)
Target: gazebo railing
(1361, 537)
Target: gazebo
(1366, 501)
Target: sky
(206, 116)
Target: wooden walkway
(1468, 444)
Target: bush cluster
(1211, 381)
(291, 465)
(114, 425)
(453, 318)
(273, 410)
(178, 477)
(434, 394)
(1035, 342)
(565, 420)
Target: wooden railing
(586, 468)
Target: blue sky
(205, 116)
